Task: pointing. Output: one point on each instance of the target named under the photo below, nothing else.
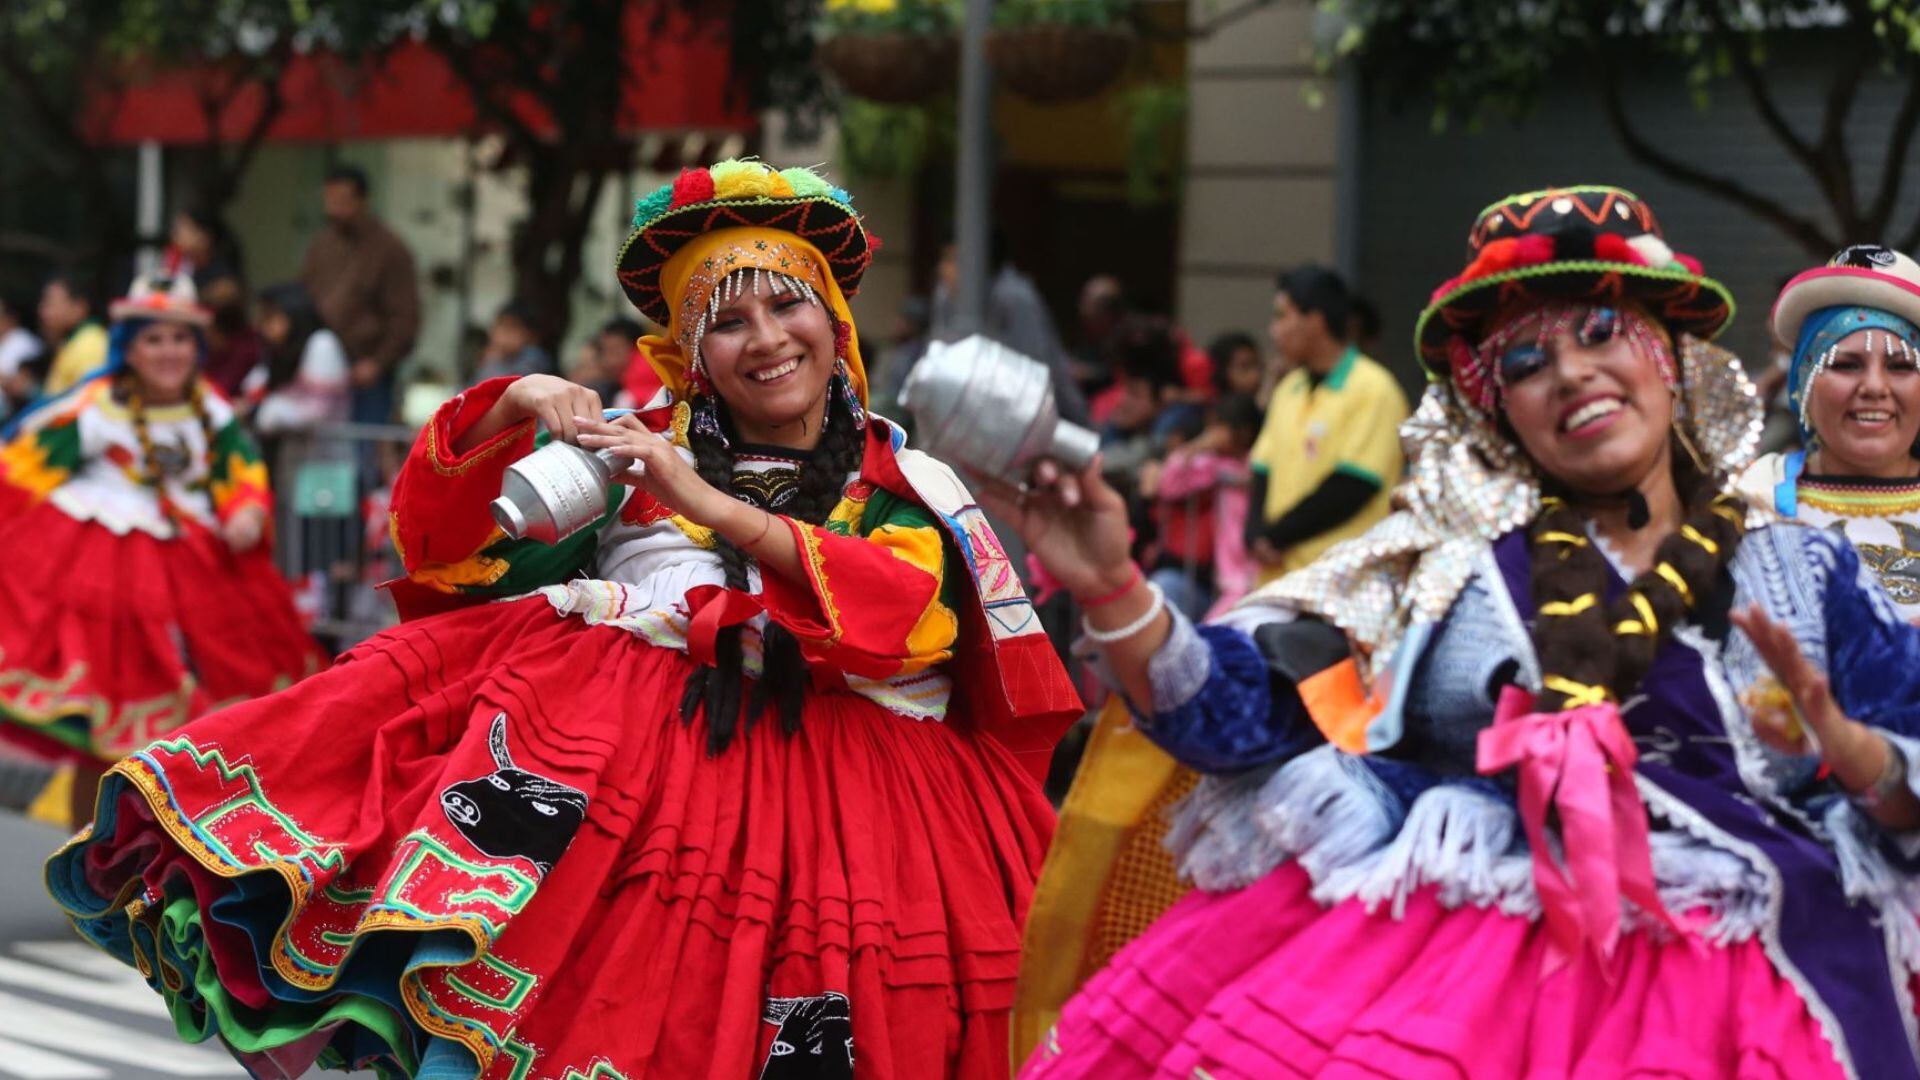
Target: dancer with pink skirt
(1576, 765)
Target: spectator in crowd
(1016, 317)
(513, 345)
(304, 382)
(1200, 510)
(912, 333)
(1102, 308)
(1238, 367)
(1363, 324)
(202, 247)
(68, 325)
(1328, 456)
(18, 349)
(605, 358)
(1144, 354)
(361, 277)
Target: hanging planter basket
(890, 67)
(1050, 64)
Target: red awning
(682, 85)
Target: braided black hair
(718, 690)
(1587, 647)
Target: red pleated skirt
(485, 843)
(108, 640)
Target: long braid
(717, 689)
(823, 480)
(1589, 650)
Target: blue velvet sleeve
(1242, 713)
(1873, 655)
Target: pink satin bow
(1580, 761)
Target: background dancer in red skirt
(138, 589)
(739, 782)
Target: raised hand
(1074, 523)
(657, 467)
(244, 530)
(1800, 716)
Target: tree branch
(1833, 141)
(460, 59)
(1756, 87)
(273, 103)
(1803, 231)
(1899, 142)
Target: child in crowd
(513, 345)
(1199, 495)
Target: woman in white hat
(1854, 387)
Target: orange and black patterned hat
(1598, 245)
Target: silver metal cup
(980, 404)
(554, 492)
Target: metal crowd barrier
(331, 489)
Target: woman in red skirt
(138, 591)
(738, 783)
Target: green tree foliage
(1485, 59)
(60, 60)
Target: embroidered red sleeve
(440, 498)
(870, 605)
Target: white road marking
(29, 1063)
(79, 958)
(54, 1028)
(137, 998)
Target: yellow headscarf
(690, 276)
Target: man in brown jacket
(361, 277)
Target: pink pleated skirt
(1264, 982)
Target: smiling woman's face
(770, 355)
(1865, 407)
(1589, 409)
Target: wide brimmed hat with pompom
(738, 193)
(161, 297)
(1597, 245)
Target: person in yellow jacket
(66, 316)
(1328, 455)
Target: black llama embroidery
(512, 813)
(814, 1040)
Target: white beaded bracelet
(1108, 637)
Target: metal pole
(973, 212)
(148, 196)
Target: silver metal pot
(977, 403)
(554, 492)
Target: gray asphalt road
(68, 1011)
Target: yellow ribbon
(1578, 694)
(1673, 578)
(1555, 536)
(1569, 607)
(1645, 624)
(1695, 535)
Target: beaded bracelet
(1107, 598)
(1108, 637)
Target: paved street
(67, 1011)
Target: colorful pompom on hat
(163, 297)
(1598, 245)
(736, 193)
